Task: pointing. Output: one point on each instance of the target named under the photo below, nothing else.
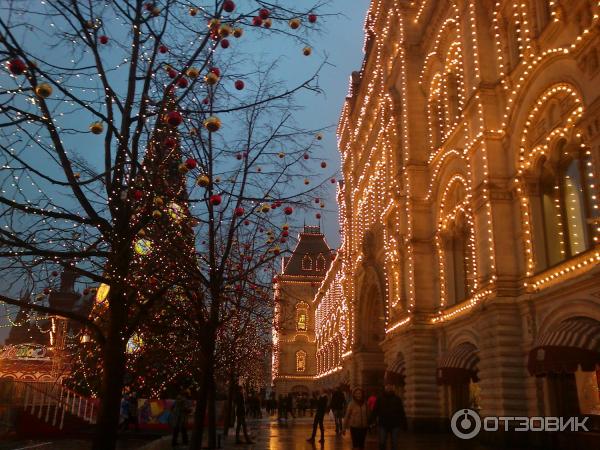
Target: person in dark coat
(179, 417)
(390, 417)
(320, 411)
(338, 406)
(240, 417)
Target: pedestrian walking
(179, 417)
(240, 417)
(390, 417)
(338, 406)
(357, 419)
(320, 411)
(131, 412)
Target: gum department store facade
(468, 274)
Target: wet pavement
(268, 434)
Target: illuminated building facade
(294, 362)
(468, 274)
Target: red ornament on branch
(288, 210)
(239, 211)
(163, 49)
(215, 200)
(239, 85)
(174, 118)
(170, 142)
(228, 6)
(16, 66)
(312, 18)
(182, 83)
(264, 13)
(257, 21)
(225, 43)
(137, 194)
(323, 164)
(103, 39)
(191, 163)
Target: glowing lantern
(202, 181)
(43, 90)
(238, 32)
(142, 247)
(212, 124)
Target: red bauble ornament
(215, 200)
(137, 194)
(182, 82)
(312, 18)
(285, 233)
(239, 211)
(306, 156)
(264, 13)
(318, 215)
(228, 6)
(239, 85)
(170, 142)
(288, 210)
(283, 240)
(205, 101)
(225, 43)
(246, 222)
(16, 66)
(163, 49)
(174, 118)
(149, 6)
(215, 70)
(190, 163)
(238, 156)
(172, 73)
(333, 181)
(317, 200)
(54, 273)
(103, 39)
(257, 21)
(323, 164)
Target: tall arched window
(453, 110)
(566, 205)
(300, 361)
(320, 264)
(301, 317)
(456, 251)
(307, 263)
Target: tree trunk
(202, 396)
(212, 416)
(113, 373)
(229, 405)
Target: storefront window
(588, 392)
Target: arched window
(436, 112)
(457, 283)
(320, 265)
(307, 263)
(566, 205)
(453, 101)
(301, 317)
(300, 361)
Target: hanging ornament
(323, 164)
(103, 40)
(239, 85)
(306, 181)
(142, 247)
(16, 66)
(319, 136)
(312, 18)
(170, 142)
(288, 210)
(225, 30)
(202, 181)
(43, 90)
(239, 211)
(97, 127)
(215, 199)
(212, 124)
(285, 227)
(257, 21)
(265, 208)
(182, 168)
(191, 163)
(276, 250)
(246, 222)
(174, 118)
(211, 78)
(176, 211)
(137, 194)
(238, 32)
(267, 23)
(264, 13)
(281, 155)
(306, 156)
(193, 11)
(172, 73)
(155, 11)
(163, 49)
(332, 181)
(295, 23)
(228, 6)
(158, 201)
(182, 83)
(225, 43)
(318, 215)
(307, 51)
(192, 72)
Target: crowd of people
(357, 414)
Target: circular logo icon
(466, 424)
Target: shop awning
(458, 365)
(574, 343)
(396, 373)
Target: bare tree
(98, 103)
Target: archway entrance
(457, 370)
